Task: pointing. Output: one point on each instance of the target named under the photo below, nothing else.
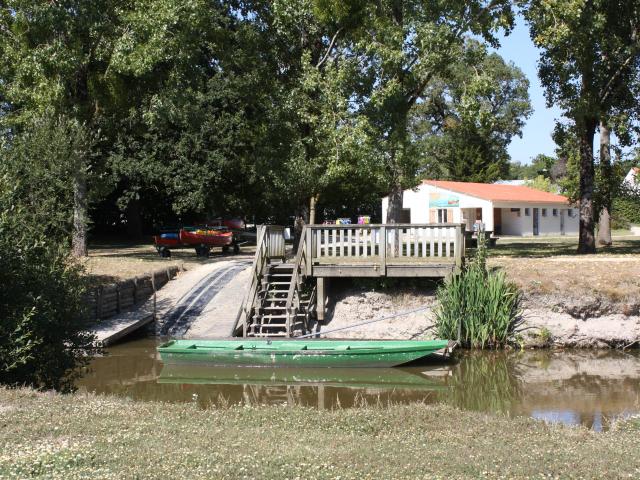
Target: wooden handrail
(299, 266)
(261, 259)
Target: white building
(631, 180)
(503, 209)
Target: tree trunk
(604, 222)
(80, 212)
(301, 218)
(134, 220)
(586, 241)
(313, 201)
(394, 209)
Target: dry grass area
(109, 263)
(55, 436)
(551, 267)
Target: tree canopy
(185, 111)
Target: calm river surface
(592, 388)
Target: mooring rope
(388, 317)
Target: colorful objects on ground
(203, 238)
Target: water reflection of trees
(485, 381)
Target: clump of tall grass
(479, 308)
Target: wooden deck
(400, 250)
(283, 302)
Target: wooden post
(383, 251)
(310, 253)
(321, 297)
(459, 247)
(99, 303)
(135, 290)
(153, 286)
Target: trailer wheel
(236, 249)
(165, 253)
(225, 249)
(202, 251)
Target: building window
(544, 212)
(555, 212)
(571, 212)
(527, 212)
(442, 215)
(516, 211)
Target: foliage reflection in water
(588, 387)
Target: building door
(497, 221)
(536, 221)
(562, 221)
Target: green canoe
(300, 353)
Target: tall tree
(409, 44)
(467, 119)
(55, 55)
(590, 54)
(313, 41)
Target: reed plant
(479, 308)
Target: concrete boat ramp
(202, 303)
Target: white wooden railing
(388, 243)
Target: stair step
(283, 316)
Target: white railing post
(383, 250)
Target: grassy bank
(109, 263)
(57, 436)
(547, 266)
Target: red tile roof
(500, 193)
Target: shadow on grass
(554, 247)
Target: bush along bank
(479, 308)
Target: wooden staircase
(280, 301)
(270, 317)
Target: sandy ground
(540, 327)
(352, 307)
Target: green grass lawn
(55, 436)
(554, 246)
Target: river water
(592, 388)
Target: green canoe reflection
(342, 377)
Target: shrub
(477, 307)
(43, 331)
(625, 211)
